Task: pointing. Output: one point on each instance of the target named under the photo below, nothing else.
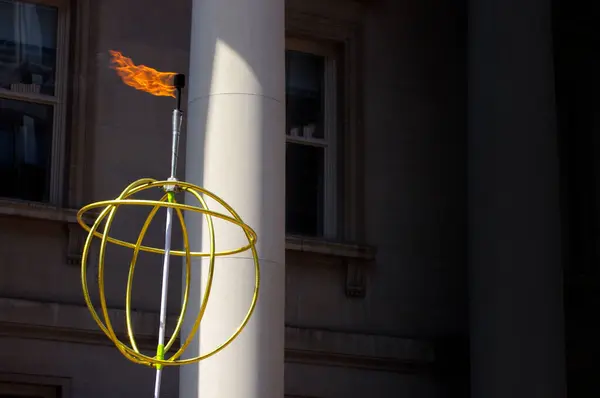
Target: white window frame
(330, 130)
(58, 101)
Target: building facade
(420, 175)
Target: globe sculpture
(159, 83)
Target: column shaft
(236, 148)
(516, 300)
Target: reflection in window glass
(304, 189)
(304, 94)
(25, 146)
(28, 35)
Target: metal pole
(179, 83)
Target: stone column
(236, 148)
(516, 298)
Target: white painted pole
(163, 298)
(176, 130)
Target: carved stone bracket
(75, 241)
(356, 278)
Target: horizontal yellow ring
(139, 202)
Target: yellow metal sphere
(107, 215)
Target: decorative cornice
(365, 351)
(29, 319)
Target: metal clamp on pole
(177, 121)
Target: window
(32, 99)
(22, 390)
(13, 385)
(311, 141)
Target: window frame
(28, 390)
(58, 101)
(330, 142)
(46, 386)
(341, 25)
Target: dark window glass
(304, 189)
(25, 147)
(28, 35)
(304, 94)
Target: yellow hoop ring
(110, 207)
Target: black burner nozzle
(179, 83)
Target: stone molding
(30, 319)
(357, 350)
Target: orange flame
(142, 77)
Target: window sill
(331, 248)
(41, 211)
(38, 211)
(356, 259)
